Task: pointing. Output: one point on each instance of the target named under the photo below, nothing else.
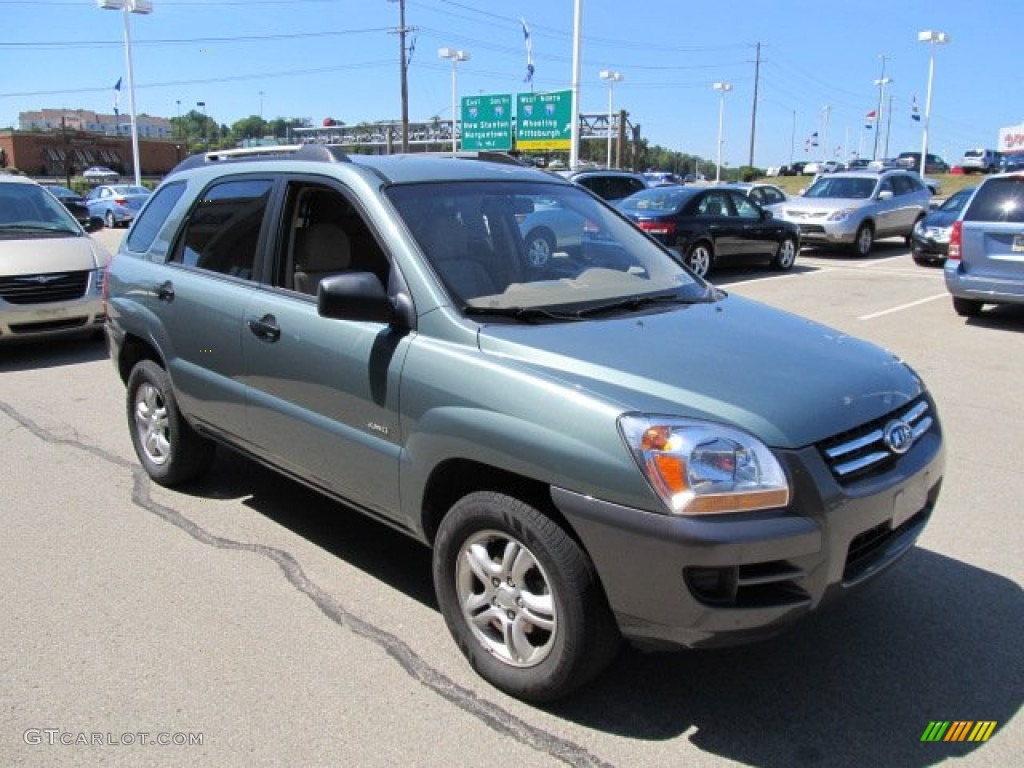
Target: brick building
(63, 152)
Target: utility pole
(403, 63)
(826, 111)
(753, 108)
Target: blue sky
(339, 59)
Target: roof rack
(322, 153)
(505, 158)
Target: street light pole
(881, 83)
(455, 56)
(127, 7)
(612, 77)
(724, 88)
(933, 38)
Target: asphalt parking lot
(276, 627)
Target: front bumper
(692, 582)
(818, 232)
(36, 321)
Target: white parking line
(901, 307)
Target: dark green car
(599, 446)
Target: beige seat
(446, 241)
(322, 251)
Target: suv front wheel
(171, 451)
(864, 240)
(521, 598)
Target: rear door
(716, 212)
(993, 231)
(200, 296)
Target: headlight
(98, 276)
(941, 234)
(919, 227)
(840, 214)
(702, 468)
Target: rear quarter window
(998, 200)
(152, 218)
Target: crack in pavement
(489, 713)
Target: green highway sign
(487, 122)
(544, 120)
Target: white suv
(854, 208)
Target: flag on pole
(915, 114)
(529, 53)
(117, 94)
(869, 119)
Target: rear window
(998, 200)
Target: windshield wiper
(523, 314)
(32, 228)
(634, 303)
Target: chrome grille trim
(863, 450)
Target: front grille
(812, 229)
(863, 451)
(44, 288)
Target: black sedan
(710, 224)
(73, 201)
(929, 241)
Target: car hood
(788, 380)
(38, 255)
(812, 204)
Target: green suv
(597, 447)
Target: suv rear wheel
(966, 307)
(171, 451)
(521, 598)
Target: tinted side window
(224, 227)
(153, 217)
(998, 200)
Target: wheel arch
(134, 350)
(454, 478)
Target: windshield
(847, 188)
(526, 247)
(30, 208)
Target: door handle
(265, 328)
(165, 291)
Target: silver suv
(855, 208)
(598, 446)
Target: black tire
(108, 220)
(864, 240)
(785, 255)
(966, 307)
(540, 244)
(168, 448)
(908, 238)
(539, 581)
(700, 257)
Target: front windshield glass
(28, 208)
(525, 247)
(846, 188)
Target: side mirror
(355, 296)
(765, 215)
(885, 194)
